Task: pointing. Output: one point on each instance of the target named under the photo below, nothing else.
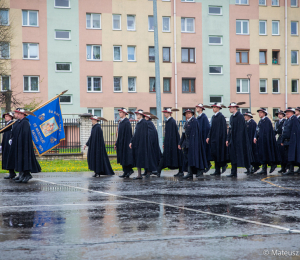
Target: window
(262, 86)
(93, 52)
(131, 53)
(242, 56)
(166, 21)
(4, 17)
(188, 1)
(275, 57)
(275, 86)
(116, 114)
(188, 55)
(62, 3)
(275, 2)
(62, 35)
(295, 85)
(116, 22)
(294, 28)
(94, 84)
(215, 40)
(29, 18)
(5, 83)
(275, 27)
(166, 54)
(188, 25)
(262, 56)
(152, 84)
(132, 109)
(117, 84)
(131, 84)
(130, 23)
(93, 21)
(188, 85)
(95, 111)
(243, 110)
(31, 51)
(294, 57)
(151, 54)
(153, 111)
(242, 27)
(31, 84)
(215, 70)
(117, 53)
(241, 2)
(63, 67)
(262, 27)
(242, 85)
(215, 10)
(167, 85)
(65, 99)
(4, 50)
(150, 23)
(215, 99)
(262, 2)
(294, 3)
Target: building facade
(102, 52)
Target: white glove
(10, 141)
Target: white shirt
(199, 115)
(249, 120)
(122, 119)
(168, 118)
(217, 113)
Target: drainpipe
(175, 56)
(286, 53)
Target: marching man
(278, 131)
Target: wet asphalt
(76, 216)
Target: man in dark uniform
(278, 131)
(297, 113)
(239, 149)
(266, 143)
(291, 140)
(124, 153)
(217, 139)
(193, 149)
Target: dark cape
(124, 153)
(239, 149)
(5, 145)
(251, 128)
(294, 147)
(204, 130)
(172, 155)
(154, 153)
(266, 142)
(278, 131)
(217, 138)
(97, 156)
(22, 146)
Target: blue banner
(47, 127)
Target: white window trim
(67, 103)
(216, 73)
(8, 24)
(241, 92)
(92, 50)
(275, 5)
(242, 4)
(92, 81)
(215, 43)
(265, 22)
(278, 28)
(297, 28)
(294, 6)
(28, 18)
(93, 110)
(135, 85)
(120, 53)
(132, 30)
(186, 1)
(3, 58)
(297, 80)
(120, 22)
(278, 87)
(242, 33)
(134, 53)
(169, 24)
(297, 58)
(62, 39)
(63, 71)
(38, 51)
(121, 87)
(216, 96)
(265, 86)
(9, 78)
(221, 13)
(263, 4)
(63, 7)
(91, 28)
(149, 30)
(185, 24)
(29, 84)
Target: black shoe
(148, 175)
(179, 174)
(273, 168)
(216, 173)
(189, 176)
(137, 178)
(263, 170)
(282, 170)
(208, 168)
(129, 173)
(21, 177)
(144, 174)
(231, 175)
(95, 175)
(199, 173)
(255, 169)
(10, 176)
(16, 178)
(27, 178)
(123, 175)
(224, 168)
(290, 171)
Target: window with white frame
(295, 83)
(131, 53)
(294, 57)
(241, 2)
(31, 51)
(66, 99)
(93, 52)
(5, 83)
(215, 10)
(262, 27)
(95, 111)
(117, 53)
(62, 3)
(275, 86)
(262, 2)
(116, 22)
(215, 40)
(150, 23)
(4, 17)
(294, 3)
(275, 27)
(294, 28)
(215, 99)
(29, 18)
(93, 21)
(187, 1)
(94, 84)
(131, 84)
(242, 26)
(243, 110)
(242, 85)
(215, 70)
(262, 86)
(31, 84)
(166, 22)
(187, 25)
(130, 22)
(275, 2)
(4, 50)
(62, 35)
(117, 84)
(188, 55)
(63, 67)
